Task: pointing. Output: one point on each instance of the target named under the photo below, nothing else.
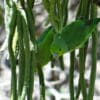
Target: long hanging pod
(21, 60)
(27, 58)
(30, 20)
(32, 60)
(85, 13)
(12, 27)
(93, 55)
(71, 75)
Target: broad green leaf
(73, 36)
(44, 43)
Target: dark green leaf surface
(44, 43)
(73, 36)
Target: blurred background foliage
(1, 16)
(1, 13)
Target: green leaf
(73, 36)
(44, 42)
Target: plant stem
(71, 75)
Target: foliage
(1, 15)
(56, 40)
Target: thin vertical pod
(31, 28)
(31, 76)
(93, 55)
(12, 26)
(32, 59)
(41, 80)
(53, 15)
(27, 56)
(46, 4)
(21, 60)
(30, 22)
(30, 3)
(59, 14)
(81, 69)
(64, 7)
(62, 13)
(30, 19)
(71, 75)
(83, 11)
